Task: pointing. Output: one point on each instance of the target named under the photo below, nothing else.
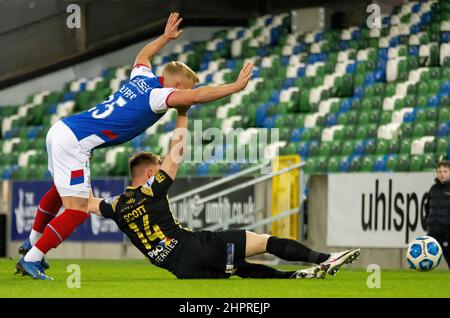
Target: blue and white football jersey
(138, 104)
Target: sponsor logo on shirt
(160, 252)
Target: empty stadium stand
(350, 100)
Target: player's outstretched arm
(173, 159)
(207, 94)
(170, 33)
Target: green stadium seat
(386, 117)
(335, 148)
(444, 115)
(391, 163)
(393, 147)
(382, 147)
(289, 149)
(372, 130)
(406, 130)
(405, 146)
(321, 164)
(367, 164)
(339, 134)
(310, 166)
(363, 118)
(374, 116)
(422, 100)
(442, 145)
(285, 133)
(430, 128)
(313, 149)
(431, 114)
(348, 147)
(423, 88)
(299, 120)
(121, 166)
(333, 164)
(403, 163)
(416, 163)
(445, 101)
(325, 149)
(352, 117)
(355, 164)
(389, 90)
(42, 172)
(361, 132)
(349, 132)
(23, 174)
(421, 115)
(430, 146)
(370, 147)
(316, 133)
(419, 130)
(429, 162)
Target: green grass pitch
(137, 278)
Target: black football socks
(291, 250)
(251, 270)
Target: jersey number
(109, 104)
(148, 236)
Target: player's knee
(74, 203)
(257, 242)
(263, 241)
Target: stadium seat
(403, 163)
(367, 164)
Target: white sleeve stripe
(158, 98)
(167, 97)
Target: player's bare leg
(255, 243)
(74, 203)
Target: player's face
(443, 174)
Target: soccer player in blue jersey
(138, 104)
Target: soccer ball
(424, 254)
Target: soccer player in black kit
(143, 214)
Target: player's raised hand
(171, 31)
(244, 76)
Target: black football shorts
(204, 254)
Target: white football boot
(332, 265)
(311, 272)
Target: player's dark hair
(143, 158)
(443, 163)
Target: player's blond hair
(179, 68)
